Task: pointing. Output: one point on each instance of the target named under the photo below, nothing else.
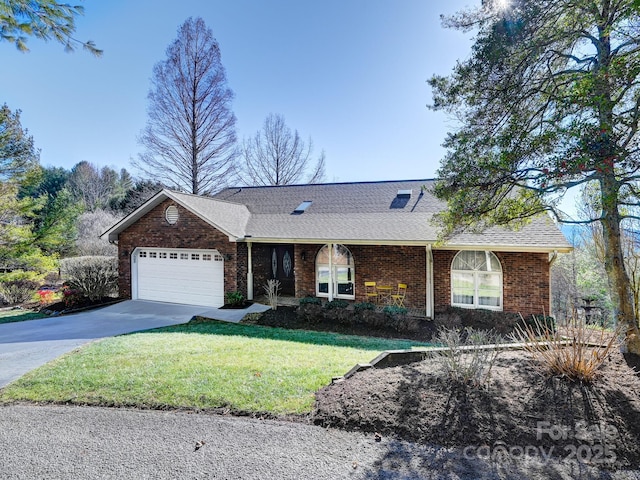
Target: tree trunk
(619, 283)
(614, 265)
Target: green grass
(10, 316)
(202, 365)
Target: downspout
(552, 260)
(249, 272)
(330, 286)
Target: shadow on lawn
(20, 316)
(214, 327)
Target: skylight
(405, 193)
(303, 206)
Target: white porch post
(249, 272)
(331, 272)
(552, 259)
(430, 308)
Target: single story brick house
(327, 240)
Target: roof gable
(231, 219)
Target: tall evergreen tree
(45, 19)
(549, 100)
(18, 154)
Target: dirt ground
(520, 412)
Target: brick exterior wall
(384, 265)
(525, 275)
(525, 281)
(153, 230)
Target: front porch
(336, 271)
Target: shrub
(461, 362)
(310, 310)
(310, 301)
(393, 310)
(272, 289)
(47, 296)
(93, 277)
(71, 297)
(18, 291)
(234, 298)
(334, 304)
(363, 307)
(577, 360)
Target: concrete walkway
(27, 345)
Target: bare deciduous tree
(92, 185)
(190, 134)
(90, 226)
(278, 156)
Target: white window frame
(476, 274)
(333, 275)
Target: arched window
(476, 280)
(335, 272)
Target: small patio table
(384, 293)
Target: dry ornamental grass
(576, 355)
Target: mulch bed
(236, 306)
(286, 317)
(520, 410)
(81, 304)
(598, 423)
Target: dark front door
(282, 268)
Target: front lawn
(10, 316)
(202, 365)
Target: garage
(178, 275)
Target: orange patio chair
(398, 298)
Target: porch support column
(331, 272)
(552, 259)
(249, 272)
(430, 308)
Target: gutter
(409, 243)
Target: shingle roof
(362, 212)
(370, 212)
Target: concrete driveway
(27, 345)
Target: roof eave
(134, 216)
(417, 243)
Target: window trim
(333, 274)
(476, 274)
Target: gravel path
(56, 442)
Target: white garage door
(194, 277)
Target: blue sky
(351, 74)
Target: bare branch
(190, 134)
